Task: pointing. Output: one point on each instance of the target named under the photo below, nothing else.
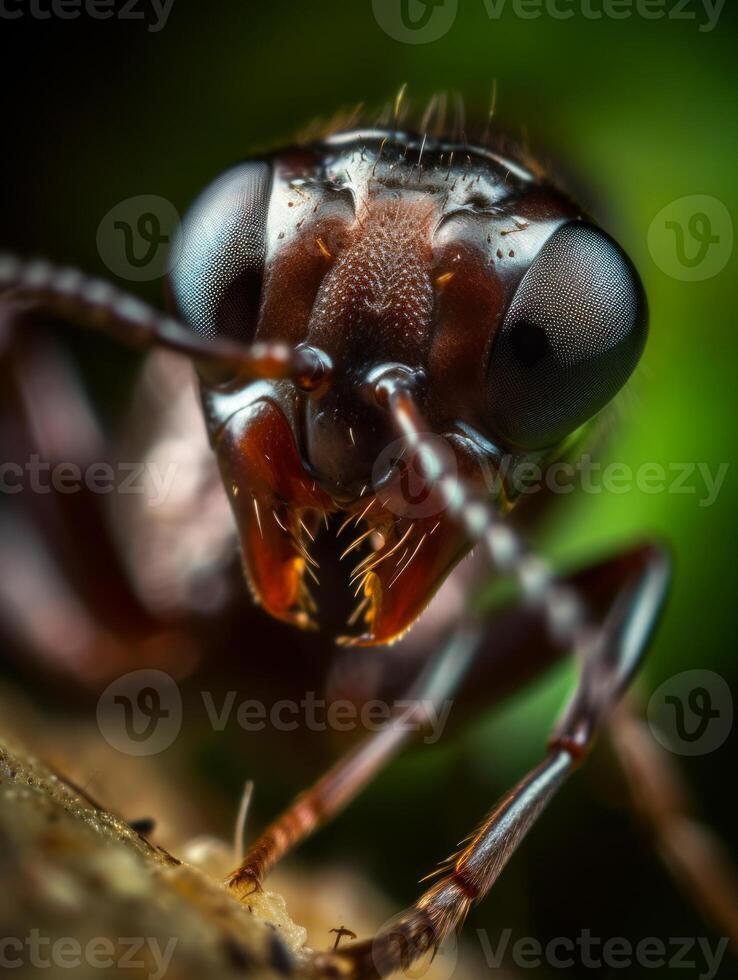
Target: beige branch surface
(83, 894)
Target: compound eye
(219, 254)
(572, 336)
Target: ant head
(516, 318)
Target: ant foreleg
(352, 772)
(692, 852)
(505, 654)
(611, 656)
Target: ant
(378, 320)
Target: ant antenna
(96, 305)
(395, 390)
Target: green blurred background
(637, 112)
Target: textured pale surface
(71, 870)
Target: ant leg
(39, 377)
(697, 858)
(503, 656)
(693, 854)
(352, 772)
(163, 532)
(93, 304)
(612, 652)
(65, 598)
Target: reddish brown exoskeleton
(450, 274)
(379, 320)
